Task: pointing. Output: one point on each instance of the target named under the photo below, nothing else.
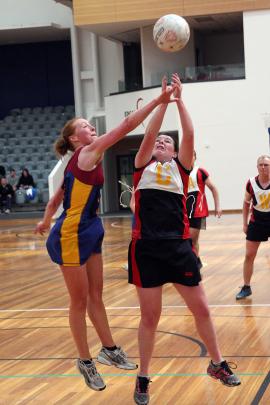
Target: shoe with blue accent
(245, 292)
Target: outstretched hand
(178, 85)
(42, 227)
(167, 91)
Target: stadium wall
(227, 115)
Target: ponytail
(62, 145)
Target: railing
(193, 74)
(205, 73)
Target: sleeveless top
(260, 200)
(160, 201)
(78, 232)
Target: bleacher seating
(27, 136)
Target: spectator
(12, 178)
(26, 180)
(6, 195)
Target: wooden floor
(37, 354)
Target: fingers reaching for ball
(178, 85)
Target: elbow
(52, 205)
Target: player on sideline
(75, 241)
(160, 251)
(258, 229)
(197, 207)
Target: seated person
(12, 178)
(26, 180)
(6, 195)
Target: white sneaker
(91, 376)
(117, 358)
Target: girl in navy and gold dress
(75, 240)
(78, 232)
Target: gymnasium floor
(37, 354)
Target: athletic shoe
(223, 373)
(116, 358)
(141, 393)
(125, 266)
(245, 292)
(91, 376)
(7, 211)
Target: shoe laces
(227, 366)
(91, 369)
(143, 384)
(120, 354)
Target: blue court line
(123, 375)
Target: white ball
(171, 33)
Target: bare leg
(77, 285)
(95, 306)
(150, 304)
(195, 234)
(251, 252)
(196, 301)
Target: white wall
(111, 65)
(156, 62)
(33, 13)
(227, 116)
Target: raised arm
(215, 194)
(145, 152)
(186, 145)
(93, 152)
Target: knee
(202, 311)
(150, 319)
(95, 298)
(78, 304)
(250, 256)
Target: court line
(124, 375)
(172, 357)
(137, 307)
(21, 248)
(136, 315)
(261, 390)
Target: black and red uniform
(160, 251)
(197, 207)
(259, 224)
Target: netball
(171, 33)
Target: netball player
(160, 251)
(75, 240)
(256, 223)
(197, 207)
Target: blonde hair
(263, 157)
(63, 144)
